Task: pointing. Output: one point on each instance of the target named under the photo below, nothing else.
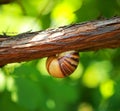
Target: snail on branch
(63, 64)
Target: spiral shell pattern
(63, 64)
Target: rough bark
(88, 36)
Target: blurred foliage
(94, 86)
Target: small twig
(87, 36)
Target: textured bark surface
(89, 36)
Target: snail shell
(63, 64)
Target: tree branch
(87, 36)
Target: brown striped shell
(62, 64)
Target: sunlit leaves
(65, 12)
(96, 73)
(2, 81)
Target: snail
(63, 64)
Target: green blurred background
(26, 86)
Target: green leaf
(26, 93)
